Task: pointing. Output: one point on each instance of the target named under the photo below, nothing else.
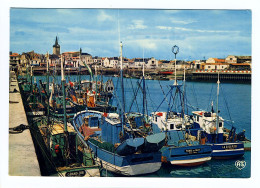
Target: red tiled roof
(14, 54)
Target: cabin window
(171, 126)
(198, 118)
(220, 124)
(156, 119)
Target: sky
(199, 34)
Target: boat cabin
(162, 121)
(207, 121)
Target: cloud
(137, 24)
(164, 27)
(184, 22)
(65, 11)
(102, 16)
(204, 31)
(148, 44)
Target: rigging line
(222, 90)
(134, 99)
(152, 102)
(146, 100)
(195, 95)
(165, 96)
(174, 103)
(163, 100)
(118, 101)
(210, 97)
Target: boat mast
(66, 134)
(47, 88)
(80, 73)
(183, 95)
(96, 82)
(64, 97)
(31, 79)
(144, 93)
(217, 120)
(175, 50)
(122, 87)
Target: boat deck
(22, 156)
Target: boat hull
(187, 156)
(191, 162)
(227, 150)
(131, 170)
(130, 165)
(247, 145)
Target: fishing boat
(115, 142)
(91, 94)
(223, 144)
(114, 147)
(181, 148)
(58, 149)
(211, 126)
(166, 72)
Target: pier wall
(22, 156)
(190, 75)
(223, 75)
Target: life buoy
(109, 87)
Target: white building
(111, 62)
(197, 64)
(152, 63)
(215, 60)
(215, 66)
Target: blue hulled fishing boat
(117, 152)
(117, 145)
(211, 126)
(181, 148)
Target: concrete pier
(224, 75)
(22, 156)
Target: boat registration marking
(78, 173)
(192, 151)
(228, 147)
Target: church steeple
(56, 47)
(56, 41)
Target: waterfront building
(25, 58)
(72, 59)
(215, 60)
(97, 60)
(138, 62)
(166, 64)
(238, 59)
(36, 60)
(56, 47)
(111, 62)
(86, 58)
(14, 59)
(214, 66)
(150, 63)
(54, 60)
(197, 64)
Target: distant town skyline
(198, 33)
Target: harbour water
(234, 106)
